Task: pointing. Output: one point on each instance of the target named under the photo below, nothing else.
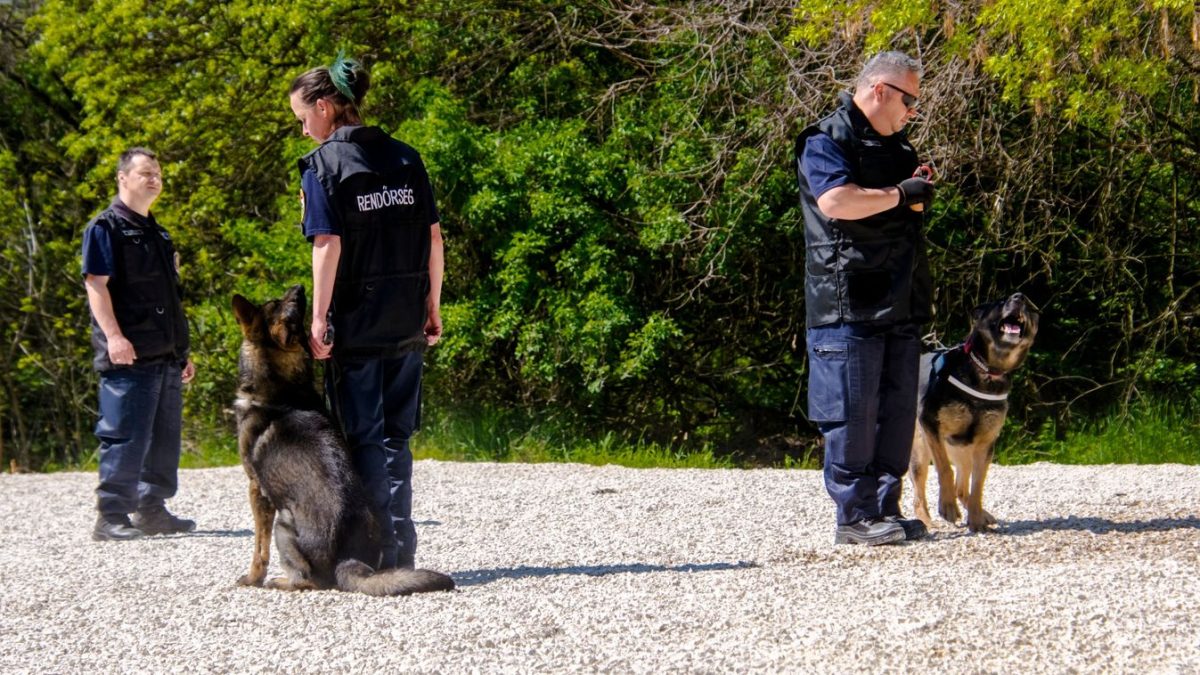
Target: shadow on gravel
(480, 577)
(1097, 525)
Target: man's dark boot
(158, 520)
(869, 532)
(115, 528)
(914, 529)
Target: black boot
(870, 532)
(913, 529)
(158, 520)
(115, 528)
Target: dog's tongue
(1010, 328)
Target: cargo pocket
(828, 376)
(869, 290)
(141, 260)
(386, 312)
(148, 327)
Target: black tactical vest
(376, 186)
(869, 270)
(145, 291)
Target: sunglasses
(906, 98)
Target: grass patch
(204, 446)
(208, 446)
(1154, 433)
(495, 436)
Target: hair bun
(349, 78)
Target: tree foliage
(616, 186)
(1069, 133)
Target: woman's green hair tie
(343, 73)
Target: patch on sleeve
(302, 208)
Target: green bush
(617, 191)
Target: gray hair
(887, 63)
(126, 158)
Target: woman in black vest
(368, 210)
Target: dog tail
(356, 576)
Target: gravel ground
(576, 568)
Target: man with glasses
(140, 337)
(866, 291)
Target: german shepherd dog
(963, 400)
(301, 478)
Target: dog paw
(250, 580)
(949, 511)
(980, 522)
(286, 584)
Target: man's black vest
(145, 290)
(377, 187)
(874, 269)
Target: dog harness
(968, 349)
(939, 365)
(975, 392)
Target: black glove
(915, 191)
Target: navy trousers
(378, 404)
(141, 410)
(862, 393)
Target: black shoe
(913, 529)
(869, 532)
(393, 562)
(115, 528)
(158, 520)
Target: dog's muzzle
(1015, 318)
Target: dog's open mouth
(1012, 327)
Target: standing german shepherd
(301, 479)
(963, 402)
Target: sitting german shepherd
(963, 400)
(301, 478)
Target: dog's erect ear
(979, 312)
(286, 324)
(248, 317)
(295, 298)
